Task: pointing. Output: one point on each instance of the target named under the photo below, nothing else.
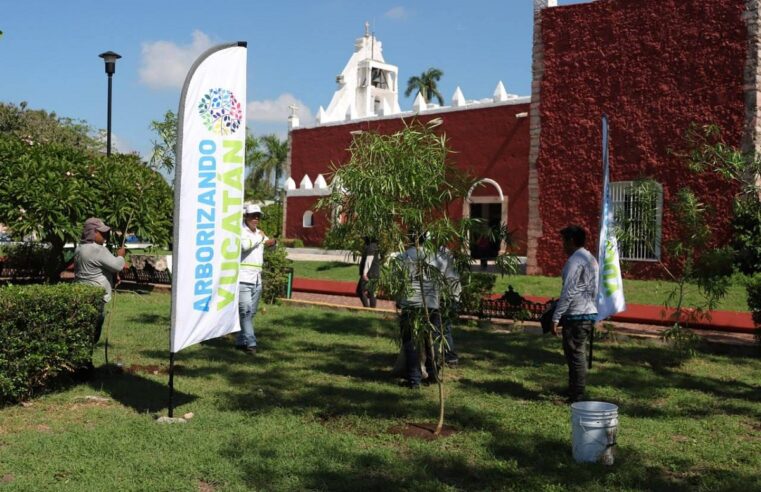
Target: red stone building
(653, 66)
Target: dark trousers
(575, 336)
(99, 323)
(410, 346)
(366, 295)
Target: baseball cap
(97, 224)
(250, 209)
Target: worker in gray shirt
(95, 265)
(576, 309)
(423, 297)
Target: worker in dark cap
(95, 265)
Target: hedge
(275, 274)
(754, 298)
(45, 330)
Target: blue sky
(49, 52)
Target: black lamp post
(110, 58)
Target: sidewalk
(636, 330)
(721, 321)
(318, 254)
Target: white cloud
(398, 13)
(277, 111)
(165, 64)
(118, 144)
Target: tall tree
(49, 189)
(426, 84)
(267, 163)
(163, 154)
(398, 188)
(37, 126)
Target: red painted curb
(730, 321)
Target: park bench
(522, 310)
(12, 272)
(510, 306)
(145, 276)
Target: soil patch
(205, 487)
(421, 431)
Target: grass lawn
(312, 412)
(637, 291)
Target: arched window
(308, 219)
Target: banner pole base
(171, 384)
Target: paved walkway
(317, 254)
(730, 321)
(620, 328)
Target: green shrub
(753, 289)
(474, 288)
(275, 273)
(746, 237)
(292, 243)
(44, 330)
(754, 298)
(272, 219)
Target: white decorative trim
(458, 99)
(472, 105)
(309, 192)
(476, 199)
(419, 104)
(320, 182)
(306, 183)
(500, 94)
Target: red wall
(654, 66)
(491, 142)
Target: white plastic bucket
(594, 425)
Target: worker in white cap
(252, 243)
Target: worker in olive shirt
(95, 265)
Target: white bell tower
(367, 86)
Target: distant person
(252, 243)
(576, 309)
(483, 246)
(369, 268)
(95, 265)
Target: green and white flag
(610, 286)
(208, 197)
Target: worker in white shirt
(252, 243)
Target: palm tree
(266, 156)
(425, 84)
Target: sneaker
(454, 361)
(248, 350)
(408, 385)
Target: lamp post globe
(109, 57)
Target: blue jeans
(247, 306)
